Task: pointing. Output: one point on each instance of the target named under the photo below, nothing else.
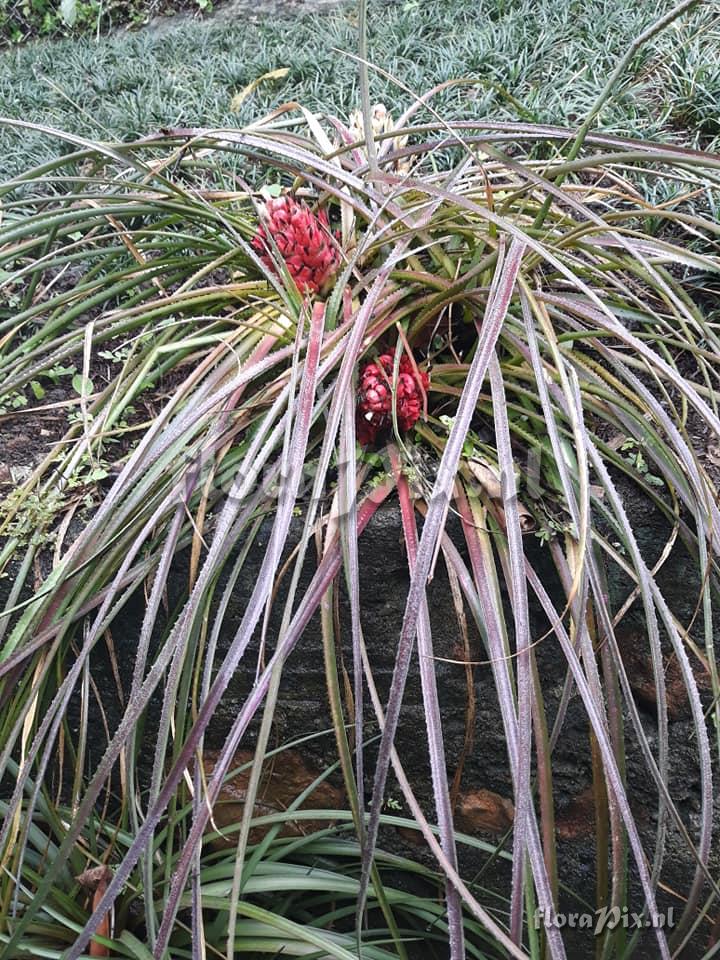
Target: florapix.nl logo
(607, 918)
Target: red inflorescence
(303, 239)
(374, 411)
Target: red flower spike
(374, 412)
(303, 240)
(365, 430)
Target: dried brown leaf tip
(95, 881)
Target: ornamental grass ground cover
(538, 62)
(488, 320)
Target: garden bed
(337, 442)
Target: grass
(545, 62)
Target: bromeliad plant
(417, 316)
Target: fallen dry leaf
(239, 99)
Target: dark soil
(244, 11)
(19, 23)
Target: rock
(483, 811)
(577, 820)
(638, 665)
(285, 776)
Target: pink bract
(302, 238)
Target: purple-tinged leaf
(521, 616)
(294, 457)
(481, 562)
(325, 574)
(442, 490)
(433, 718)
(436, 848)
(612, 772)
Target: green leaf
(82, 385)
(97, 473)
(68, 11)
